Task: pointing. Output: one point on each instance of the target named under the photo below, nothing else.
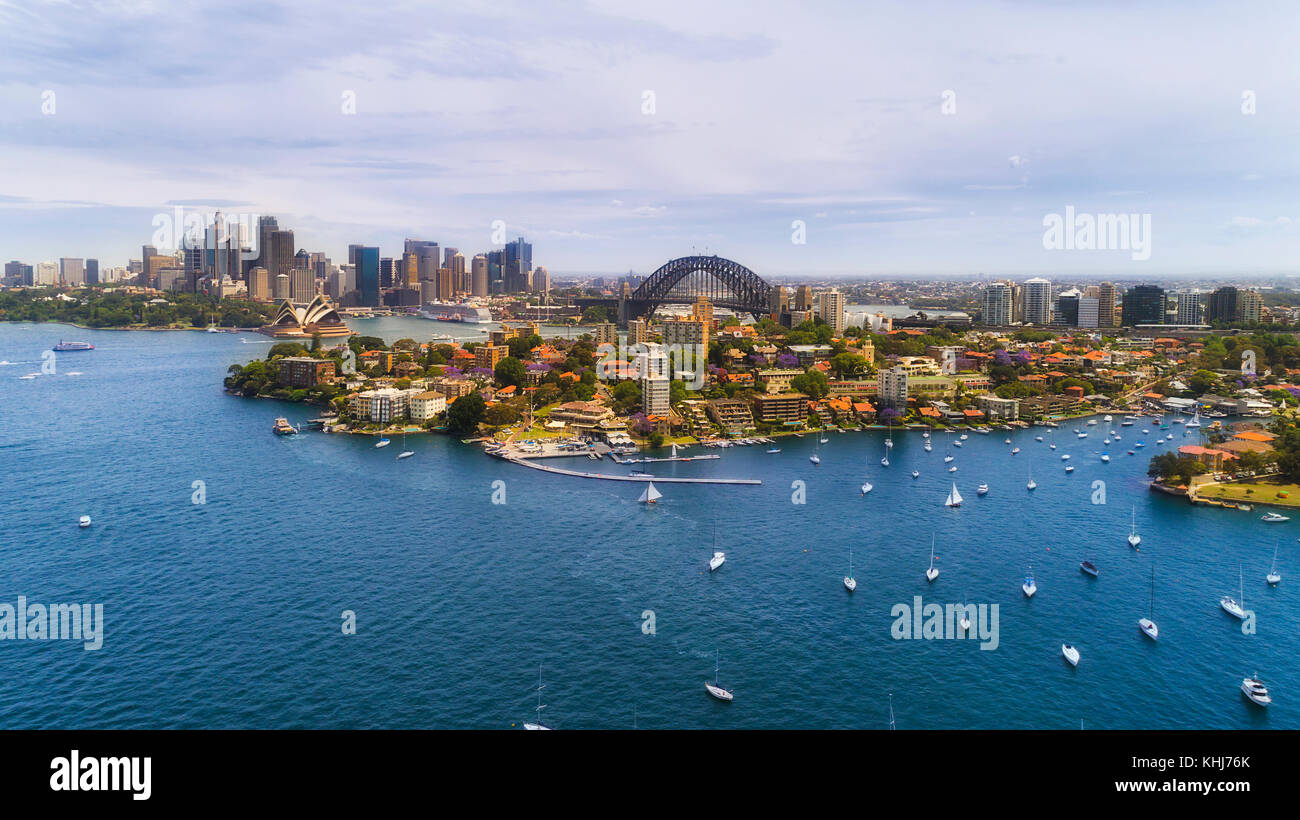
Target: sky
(914, 137)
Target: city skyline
(755, 121)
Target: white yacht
(650, 495)
(866, 487)
(849, 582)
(1029, 586)
(1133, 538)
(916, 474)
(1274, 518)
(1105, 459)
(928, 447)
(932, 573)
(964, 622)
(383, 442)
(1254, 689)
(718, 559)
(715, 688)
(1148, 624)
(1069, 468)
(981, 489)
(540, 706)
(1236, 609)
(84, 521)
(1015, 450)
(1274, 577)
(1071, 654)
(954, 497)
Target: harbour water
(228, 613)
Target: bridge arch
(723, 282)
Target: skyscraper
(367, 265)
(1189, 307)
(830, 306)
(1221, 306)
(92, 271)
(1250, 307)
(1038, 302)
(479, 276)
(72, 271)
(1144, 305)
(518, 262)
(997, 304)
(1106, 305)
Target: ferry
(455, 312)
(283, 427)
(64, 347)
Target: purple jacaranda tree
(1022, 358)
(787, 360)
(480, 372)
(640, 424)
(965, 364)
(453, 372)
(1001, 357)
(888, 415)
(538, 367)
(757, 359)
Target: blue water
(228, 614)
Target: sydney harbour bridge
(726, 284)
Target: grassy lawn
(1265, 491)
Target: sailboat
(915, 473)
(1071, 654)
(1147, 624)
(815, 458)
(719, 558)
(1133, 538)
(931, 573)
(405, 452)
(889, 434)
(849, 583)
(928, 446)
(1234, 608)
(1195, 422)
(1032, 485)
(954, 497)
(383, 442)
(866, 487)
(1029, 586)
(715, 688)
(650, 495)
(891, 711)
(540, 705)
(964, 623)
(1273, 577)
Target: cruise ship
(456, 312)
(63, 346)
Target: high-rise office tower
(997, 304)
(456, 264)
(367, 266)
(282, 252)
(280, 287)
(1106, 305)
(518, 262)
(1038, 301)
(1088, 311)
(479, 275)
(259, 284)
(1066, 311)
(266, 226)
(1221, 305)
(541, 280)
(72, 271)
(302, 285)
(1144, 305)
(385, 272)
(92, 271)
(47, 273)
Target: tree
(510, 371)
(813, 384)
(465, 414)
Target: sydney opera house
(297, 322)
